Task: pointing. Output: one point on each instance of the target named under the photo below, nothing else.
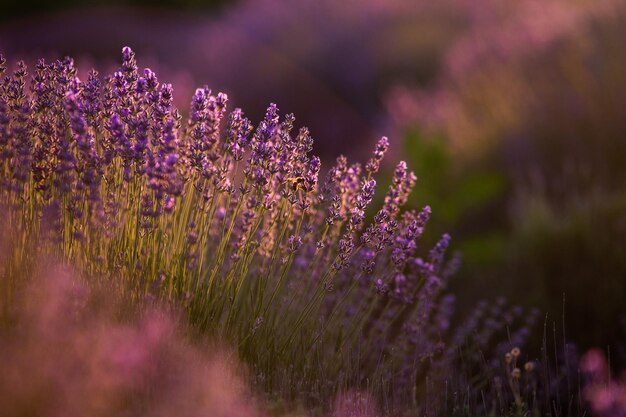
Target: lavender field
(450, 244)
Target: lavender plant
(229, 220)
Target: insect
(296, 183)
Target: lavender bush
(228, 220)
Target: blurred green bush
(533, 158)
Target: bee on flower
(295, 183)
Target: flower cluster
(227, 219)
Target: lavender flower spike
(373, 164)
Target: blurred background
(513, 115)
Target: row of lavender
(232, 223)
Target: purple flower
(236, 135)
(129, 67)
(435, 257)
(91, 105)
(363, 199)
(373, 164)
(402, 183)
(268, 126)
(294, 243)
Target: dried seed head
(516, 373)
(529, 366)
(508, 358)
(515, 352)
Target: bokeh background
(513, 115)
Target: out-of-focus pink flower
(71, 352)
(594, 363)
(607, 397)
